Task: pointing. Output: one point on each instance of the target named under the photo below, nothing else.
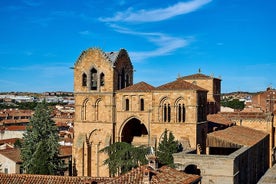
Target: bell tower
(97, 76)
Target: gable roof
(180, 84)
(12, 154)
(219, 119)
(197, 76)
(110, 56)
(235, 137)
(139, 87)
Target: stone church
(110, 108)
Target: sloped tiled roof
(65, 150)
(46, 179)
(13, 154)
(16, 128)
(235, 136)
(163, 175)
(197, 76)
(180, 84)
(9, 141)
(169, 175)
(139, 87)
(219, 119)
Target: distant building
(10, 161)
(266, 100)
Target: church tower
(97, 75)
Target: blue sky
(235, 40)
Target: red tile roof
(219, 119)
(16, 128)
(235, 136)
(180, 84)
(9, 141)
(197, 76)
(47, 179)
(139, 87)
(65, 150)
(163, 175)
(245, 115)
(13, 154)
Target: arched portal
(134, 129)
(192, 169)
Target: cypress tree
(167, 146)
(40, 143)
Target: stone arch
(84, 79)
(93, 158)
(192, 169)
(180, 110)
(99, 108)
(133, 131)
(165, 110)
(84, 109)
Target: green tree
(40, 143)
(167, 146)
(122, 157)
(233, 103)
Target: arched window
(181, 113)
(84, 79)
(142, 104)
(127, 80)
(166, 112)
(102, 79)
(94, 79)
(123, 79)
(127, 105)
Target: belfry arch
(134, 131)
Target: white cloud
(86, 32)
(157, 14)
(165, 43)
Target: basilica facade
(110, 108)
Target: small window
(102, 79)
(127, 104)
(84, 79)
(94, 79)
(142, 104)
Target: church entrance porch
(134, 132)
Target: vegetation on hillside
(233, 103)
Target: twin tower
(110, 108)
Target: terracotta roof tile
(13, 154)
(219, 119)
(180, 84)
(245, 115)
(162, 175)
(237, 136)
(9, 141)
(16, 128)
(46, 179)
(65, 150)
(197, 76)
(139, 87)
